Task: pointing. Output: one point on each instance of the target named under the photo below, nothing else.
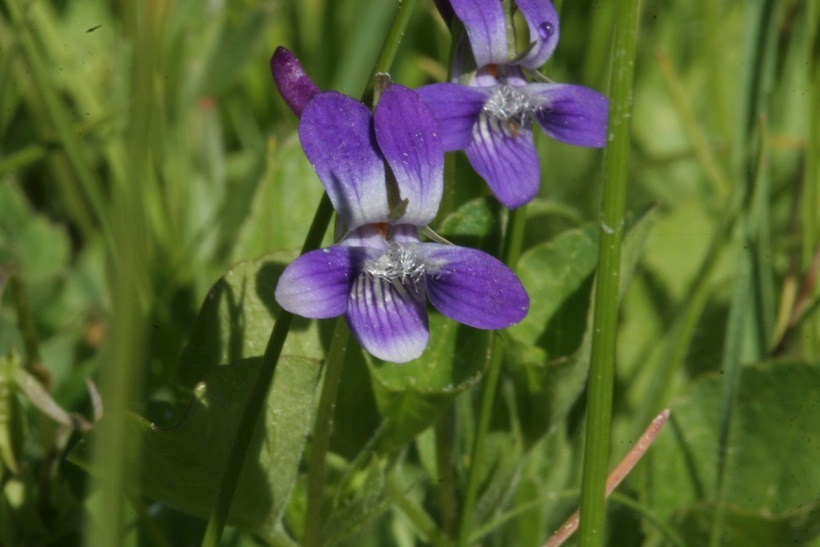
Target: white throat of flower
(399, 264)
(509, 110)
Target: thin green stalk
(510, 253)
(258, 396)
(761, 45)
(730, 367)
(446, 479)
(390, 46)
(810, 331)
(132, 255)
(605, 318)
(321, 434)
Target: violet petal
(486, 28)
(473, 287)
(456, 108)
(504, 155)
(572, 114)
(409, 138)
(387, 318)
(293, 83)
(337, 137)
(317, 284)
(542, 21)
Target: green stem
(390, 46)
(510, 253)
(605, 318)
(446, 479)
(321, 434)
(258, 396)
(810, 332)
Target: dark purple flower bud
(293, 83)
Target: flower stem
(605, 315)
(511, 251)
(258, 396)
(321, 434)
(390, 46)
(446, 478)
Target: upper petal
(409, 138)
(572, 114)
(542, 21)
(337, 137)
(504, 155)
(486, 28)
(317, 284)
(456, 108)
(473, 287)
(387, 318)
(293, 83)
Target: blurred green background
(144, 152)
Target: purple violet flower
(491, 119)
(380, 274)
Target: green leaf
(475, 224)
(552, 273)
(288, 190)
(548, 356)
(237, 317)
(771, 467)
(180, 466)
(741, 529)
(29, 241)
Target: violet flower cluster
(383, 173)
(491, 118)
(380, 274)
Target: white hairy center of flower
(508, 104)
(397, 264)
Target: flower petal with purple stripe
(317, 284)
(387, 318)
(473, 287)
(504, 155)
(456, 107)
(486, 28)
(409, 138)
(572, 114)
(337, 137)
